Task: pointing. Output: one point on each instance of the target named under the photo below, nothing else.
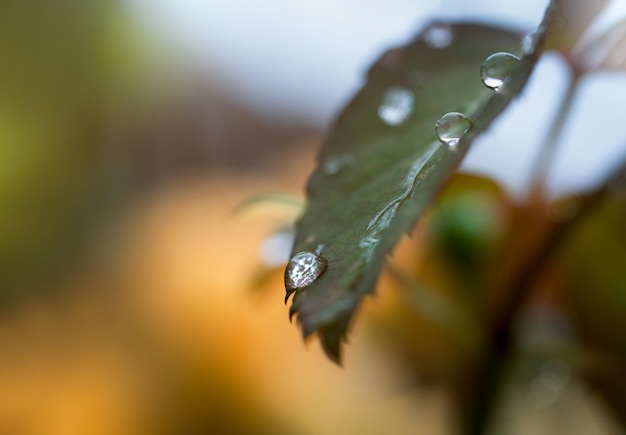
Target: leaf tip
(332, 338)
(292, 312)
(287, 294)
(331, 344)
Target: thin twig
(550, 144)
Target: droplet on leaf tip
(303, 269)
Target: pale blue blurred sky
(301, 60)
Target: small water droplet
(496, 70)
(303, 269)
(451, 127)
(397, 106)
(528, 43)
(438, 35)
(334, 165)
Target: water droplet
(438, 35)
(528, 43)
(303, 269)
(496, 70)
(397, 106)
(451, 127)
(334, 165)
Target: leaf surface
(374, 178)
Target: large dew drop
(397, 106)
(303, 269)
(496, 70)
(451, 127)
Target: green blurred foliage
(444, 280)
(66, 70)
(593, 274)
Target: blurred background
(133, 300)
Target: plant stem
(550, 144)
(489, 380)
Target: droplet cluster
(398, 103)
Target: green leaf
(594, 279)
(374, 180)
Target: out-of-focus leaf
(594, 279)
(440, 304)
(291, 202)
(374, 179)
(573, 18)
(65, 66)
(607, 52)
(434, 307)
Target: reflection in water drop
(548, 386)
(303, 269)
(496, 70)
(438, 35)
(397, 105)
(451, 127)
